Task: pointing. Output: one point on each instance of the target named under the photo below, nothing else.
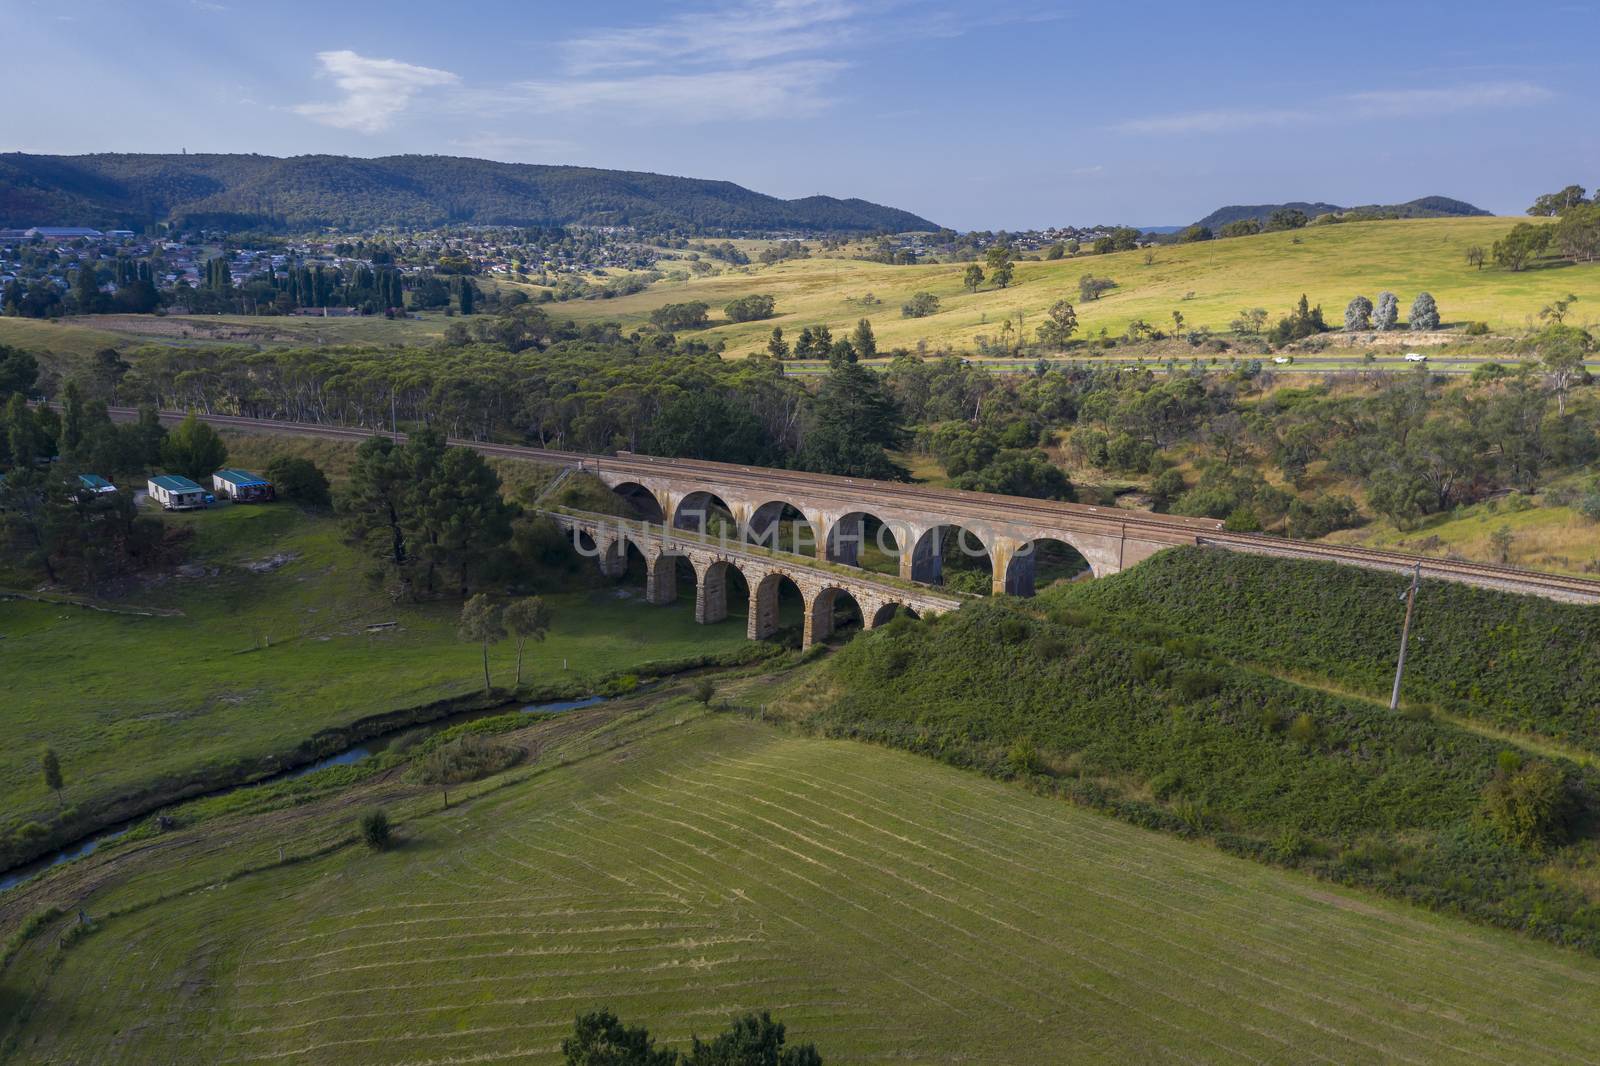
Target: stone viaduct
(771, 507)
(762, 504)
(712, 558)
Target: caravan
(176, 493)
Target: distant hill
(1422, 207)
(416, 191)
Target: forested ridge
(420, 191)
(1422, 207)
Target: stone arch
(782, 526)
(946, 554)
(637, 559)
(608, 552)
(703, 511)
(861, 538)
(644, 503)
(1042, 562)
(664, 575)
(826, 614)
(888, 612)
(766, 601)
(720, 591)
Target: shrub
(973, 581)
(1529, 805)
(1091, 287)
(1048, 647)
(1290, 845)
(466, 758)
(1304, 730)
(1166, 783)
(751, 308)
(704, 689)
(674, 317)
(1147, 664)
(299, 480)
(921, 305)
(1024, 758)
(1127, 452)
(1195, 816)
(1477, 329)
(1194, 685)
(1242, 519)
(1168, 485)
(375, 832)
(1310, 521)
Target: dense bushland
(1521, 662)
(307, 192)
(1165, 734)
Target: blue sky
(976, 115)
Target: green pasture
(888, 908)
(270, 644)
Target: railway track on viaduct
(959, 504)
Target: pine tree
(777, 347)
(863, 341)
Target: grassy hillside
(262, 643)
(1328, 263)
(1517, 662)
(679, 867)
(1548, 536)
(1166, 732)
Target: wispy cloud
(739, 60)
(1410, 102)
(729, 35)
(1221, 121)
(375, 90)
(774, 90)
(725, 60)
(1382, 103)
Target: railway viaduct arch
(763, 572)
(685, 494)
(1135, 535)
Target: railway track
(1206, 532)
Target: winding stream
(352, 755)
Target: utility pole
(1405, 636)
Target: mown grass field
(258, 660)
(692, 865)
(1330, 264)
